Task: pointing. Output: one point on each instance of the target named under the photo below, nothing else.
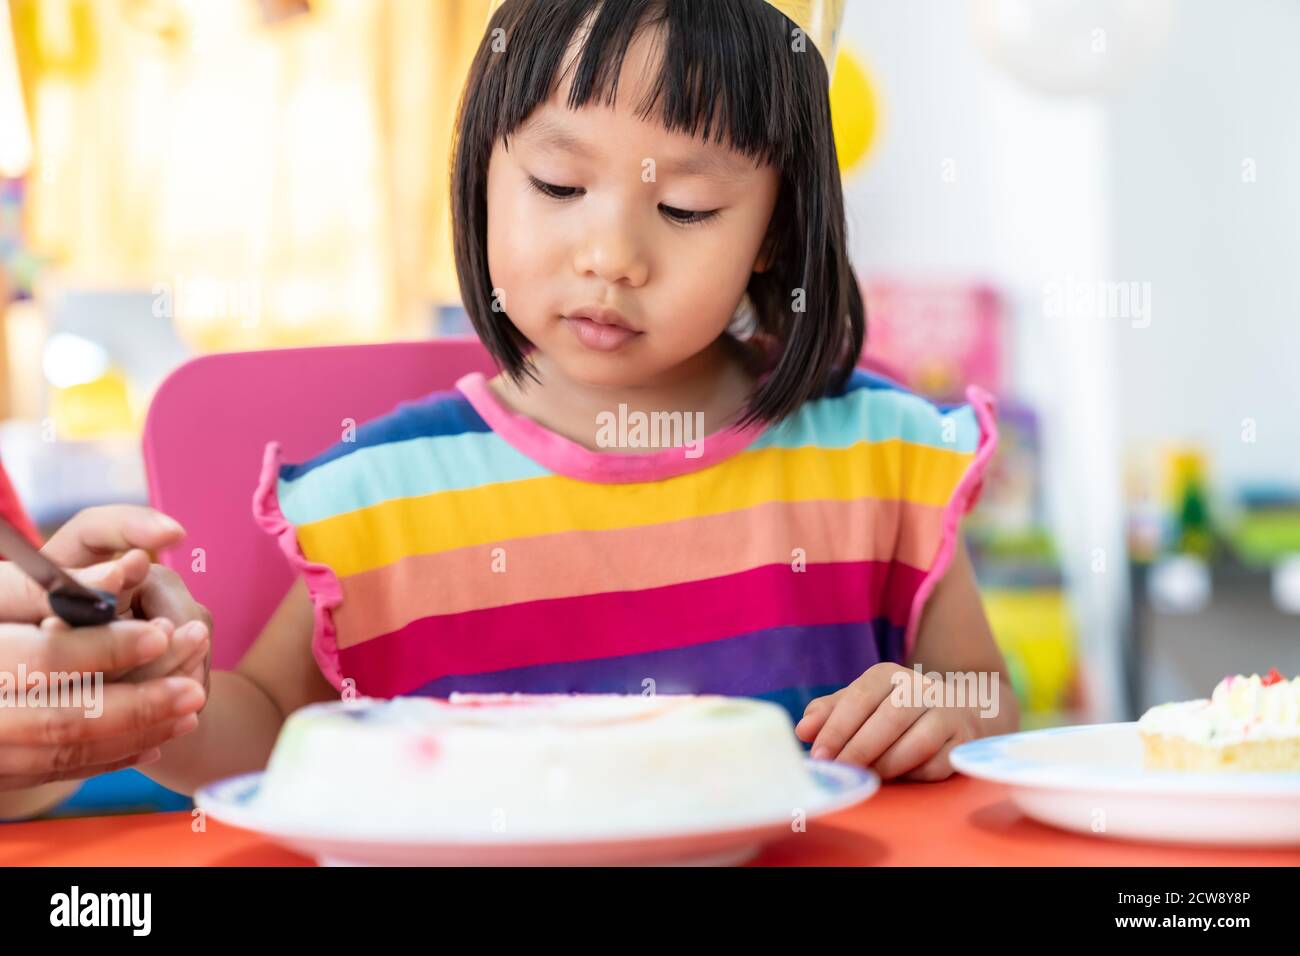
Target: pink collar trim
(566, 457)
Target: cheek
(711, 274)
(518, 262)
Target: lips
(601, 315)
(599, 328)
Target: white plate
(1090, 779)
(231, 801)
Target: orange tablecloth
(960, 821)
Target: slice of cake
(497, 766)
(1249, 723)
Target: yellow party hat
(818, 19)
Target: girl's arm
(247, 706)
(955, 637)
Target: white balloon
(1073, 47)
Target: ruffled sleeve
(322, 583)
(971, 430)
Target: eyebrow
(545, 133)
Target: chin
(600, 371)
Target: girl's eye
(683, 217)
(555, 192)
(687, 217)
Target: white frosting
(1239, 709)
(496, 766)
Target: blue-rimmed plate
(233, 801)
(1090, 779)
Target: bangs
(721, 75)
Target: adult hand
(109, 544)
(40, 744)
(141, 709)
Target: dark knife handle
(85, 608)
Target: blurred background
(1086, 206)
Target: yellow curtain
(273, 183)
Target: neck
(716, 382)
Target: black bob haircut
(730, 68)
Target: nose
(613, 253)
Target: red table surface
(959, 822)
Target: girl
(649, 231)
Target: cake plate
(1090, 779)
(233, 801)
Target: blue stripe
(404, 469)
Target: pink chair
(206, 432)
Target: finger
(81, 773)
(197, 671)
(164, 594)
(901, 707)
(98, 533)
(35, 761)
(938, 767)
(921, 741)
(123, 573)
(21, 598)
(56, 648)
(857, 702)
(886, 724)
(814, 716)
(121, 708)
(187, 643)
(197, 661)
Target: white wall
(1222, 255)
(1028, 207)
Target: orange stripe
(575, 563)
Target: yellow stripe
(372, 537)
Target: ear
(764, 260)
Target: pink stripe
(321, 580)
(566, 457)
(963, 499)
(619, 623)
(709, 546)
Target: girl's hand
(161, 596)
(189, 655)
(880, 721)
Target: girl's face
(596, 209)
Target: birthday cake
(501, 766)
(1247, 724)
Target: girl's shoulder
(442, 414)
(871, 407)
(425, 445)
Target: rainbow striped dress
(456, 545)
